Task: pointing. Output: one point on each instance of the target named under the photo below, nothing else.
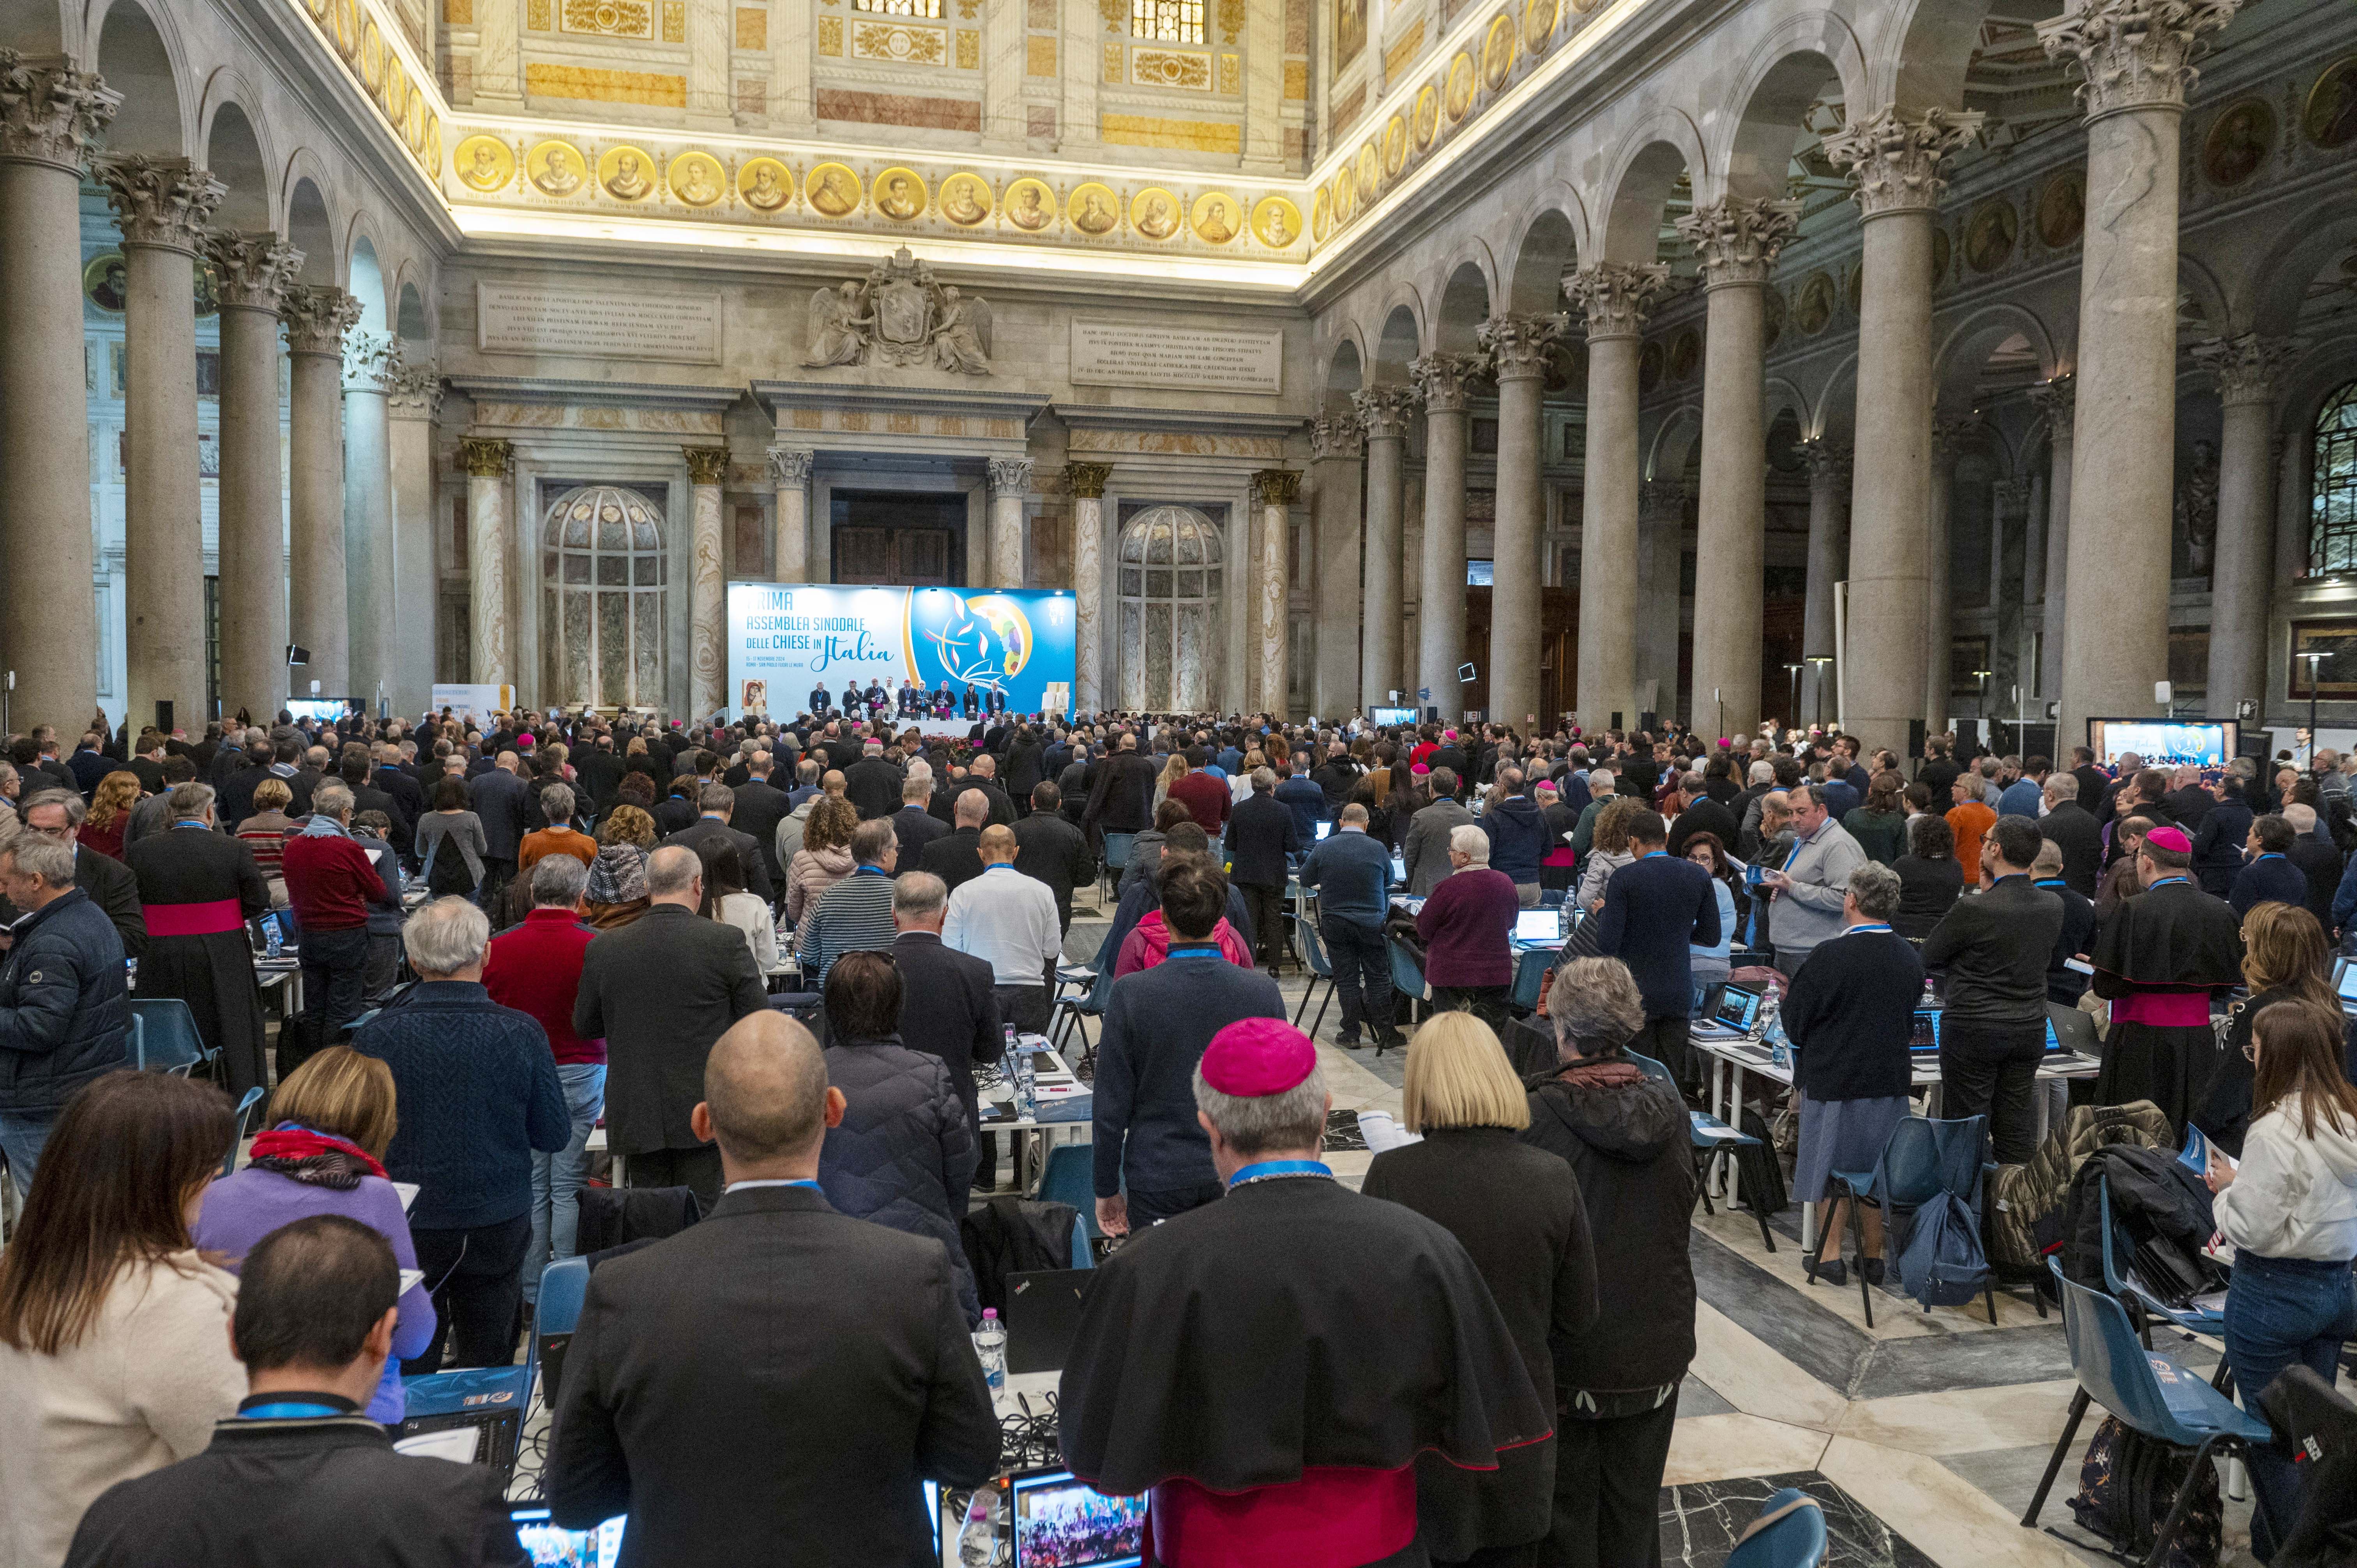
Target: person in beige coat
(114, 1347)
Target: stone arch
(310, 224)
(1783, 394)
(229, 144)
(1464, 303)
(34, 28)
(139, 54)
(1660, 148)
(1346, 365)
(1545, 248)
(1675, 442)
(1837, 403)
(366, 283)
(1918, 58)
(1403, 339)
(412, 309)
(1170, 559)
(2197, 281)
(2274, 287)
(1753, 137)
(1968, 346)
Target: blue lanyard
(1869, 926)
(2268, 857)
(1195, 950)
(868, 871)
(291, 1410)
(1264, 1168)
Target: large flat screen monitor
(1386, 719)
(2163, 743)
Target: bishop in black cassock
(2158, 961)
(198, 888)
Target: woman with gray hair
(1850, 1016)
(1624, 1133)
(1465, 925)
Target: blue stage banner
(787, 640)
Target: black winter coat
(65, 1004)
(904, 1155)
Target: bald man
(1009, 920)
(714, 1375)
(957, 856)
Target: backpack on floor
(2126, 1486)
(1942, 1264)
(1758, 1179)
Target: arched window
(2332, 532)
(602, 598)
(1170, 558)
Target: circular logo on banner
(984, 640)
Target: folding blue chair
(163, 1036)
(1071, 1177)
(1795, 1540)
(1116, 858)
(1708, 1138)
(1407, 978)
(1921, 1159)
(1322, 967)
(244, 1114)
(1530, 975)
(1073, 1012)
(2140, 1301)
(564, 1286)
(2150, 1392)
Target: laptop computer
(1322, 829)
(1538, 928)
(1061, 1522)
(2344, 983)
(550, 1545)
(1926, 1039)
(1738, 1009)
(1043, 1313)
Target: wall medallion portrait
(1812, 308)
(966, 200)
(1498, 51)
(558, 169)
(1321, 215)
(1457, 95)
(2063, 209)
(1394, 147)
(766, 185)
(1349, 31)
(106, 282)
(1094, 209)
(1154, 213)
(1369, 170)
(348, 28)
(2330, 117)
(1989, 240)
(1425, 121)
(1649, 366)
(2238, 143)
(1685, 354)
(1276, 222)
(1031, 205)
(627, 174)
(1538, 24)
(1218, 218)
(901, 196)
(697, 179)
(371, 56)
(1346, 198)
(208, 293)
(484, 164)
(832, 190)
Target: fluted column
(1384, 413)
(50, 116)
(413, 401)
(1895, 158)
(707, 592)
(1276, 489)
(2134, 57)
(1737, 241)
(1829, 482)
(1086, 484)
(1445, 382)
(2055, 400)
(1010, 483)
(1617, 299)
(1517, 347)
(2246, 367)
(790, 472)
(317, 318)
(1938, 635)
(369, 364)
(252, 272)
(486, 461)
(162, 206)
(1335, 443)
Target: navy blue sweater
(1156, 1024)
(1352, 873)
(1657, 910)
(478, 1092)
(2270, 879)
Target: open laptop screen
(550, 1545)
(1061, 1521)
(1538, 926)
(1738, 1008)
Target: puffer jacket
(904, 1155)
(2295, 1194)
(1148, 943)
(1626, 1137)
(1518, 836)
(65, 1003)
(2027, 1216)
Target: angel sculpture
(961, 340)
(838, 323)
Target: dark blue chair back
(1796, 1541)
(1070, 1178)
(163, 1035)
(1407, 977)
(564, 1286)
(1925, 1158)
(1313, 951)
(245, 1111)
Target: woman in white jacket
(2290, 1211)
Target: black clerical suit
(821, 700)
(196, 890)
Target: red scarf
(294, 1144)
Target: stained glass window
(928, 8)
(2332, 531)
(1167, 21)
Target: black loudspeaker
(1914, 737)
(1647, 719)
(1616, 720)
(1432, 714)
(164, 716)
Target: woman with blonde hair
(617, 891)
(2285, 959)
(824, 860)
(1610, 849)
(323, 1153)
(1518, 1211)
(1172, 771)
(110, 814)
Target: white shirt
(1008, 919)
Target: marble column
(1086, 484)
(1010, 483)
(790, 472)
(707, 590)
(1616, 300)
(1384, 413)
(1517, 347)
(162, 206)
(489, 651)
(2055, 401)
(317, 318)
(413, 400)
(370, 365)
(2246, 367)
(252, 272)
(1661, 598)
(50, 117)
(1737, 241)
(1445, 381)
(1829, 481)
(1938, 633)
(1335, 443)
(1276, 489)
(2136, 57)
(1895, 158)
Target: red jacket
(1148, 943)
(536, 968)
(331, 881)
(1207, 800)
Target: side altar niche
(900, 316)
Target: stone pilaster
(1276, 489)
(707, 593)
(1086, 484)
(1938, 634)
(1616, 300)
(1517, 347)
(1829, 481)
(412, 405)
(370, 362)
(1383, 416)
(1446, 382)
(1336, 446)
(789, 473)
(316, 317)
(2248, 368)
(1010, 485)
(251, 272)
(487, 462)
(2056, 400)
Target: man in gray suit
(1426, 853)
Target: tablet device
(1738, 1008)
(1926, 1039)
(2345, 983)
(550, 1545)
(1061, 1522)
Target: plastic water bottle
(272, 946)
(978, 1536)
(990, 1345)
(1020, 1075)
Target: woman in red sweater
(1465, 925)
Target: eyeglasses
(57, 832)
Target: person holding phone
(1811, 889)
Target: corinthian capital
(1828, 464)
(2246, 366)
(1010, 476)
(164, 202)
(252, 271)
(318, 316)
(1335, 434)
(2056, 398)
(1517, 345)
(1383, 412)
(1445, 381)
(370, 360)
(1617, 298)
(50, 113)
(414, 392)
(485, 456)
(705, 465)
(1661, 503)
(2134, 54)
(1896, 158)
(1738, 238)
(1086, 481)
(789, 467)
(1277, 487)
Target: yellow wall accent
(1296, 80)
(458, 12)
(752, 28)
(1113, 62)
(1039, 57)
(1403, 50)
(674, 21)
(1192, 135)
(830, 34)
(969, 49)
(591, 85)
(539, 16)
